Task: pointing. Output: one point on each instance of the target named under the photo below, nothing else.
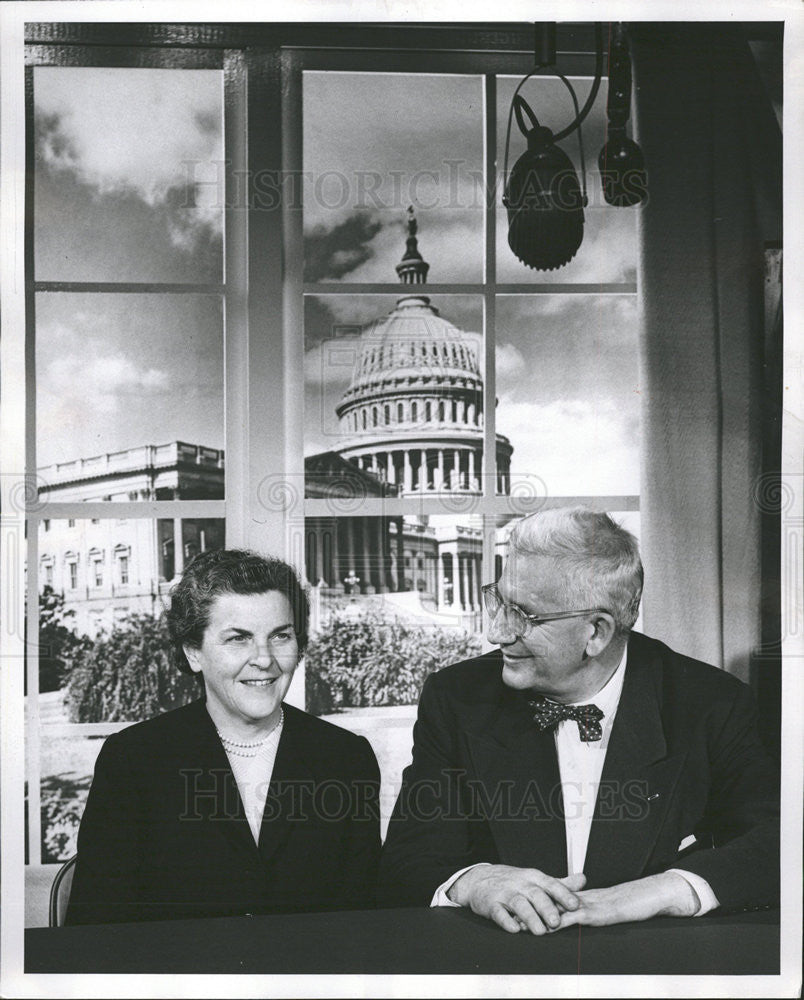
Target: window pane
(568, 391)
(375, 143)
(393, 395)
(103, 654)
(393, 599)
(608, 250)
(118, 374)
(128, 174)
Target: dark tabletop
(430, 941)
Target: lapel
(517, 768)
(291, 795)
(638, 777)
(219, 800)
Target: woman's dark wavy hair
(229, 571)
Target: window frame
(262, 291)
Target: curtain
(712, 147)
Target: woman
(235, 803)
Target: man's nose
(499, 632)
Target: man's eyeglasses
(515, 620)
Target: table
(425, 941)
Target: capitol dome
(412, 414)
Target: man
(583, 773)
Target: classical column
(377, 550)
(368, 560)
(319, 552)
(470, 580)
(456, 470)
(467, 600)
(423, 484)
(451, 588)
(178, 548)
(336, 581)
(391, 473)
(467, 570)
(439, 472)
(472, 482)
(350, 567)
(382, 554)
(373, 464)
(432, 574)
(407, 472)
(441, 573)
(400, 556)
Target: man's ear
(192, 658)
(604, 630)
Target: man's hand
(517, 898)
(665, 895)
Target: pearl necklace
(248, 749)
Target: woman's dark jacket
(164, 834)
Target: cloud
(112, 376)
(159, 138)
(510, 361)
(576, 331)
(331, 362)
(332, 252)
(575, 446)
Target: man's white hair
(596, 560)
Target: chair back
(60, 892)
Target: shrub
(375, 661)
(127, 674)
(63, 801)
(59, 646)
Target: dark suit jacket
(164, 834)
(684, 758)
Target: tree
(127, 674)
(59, 645)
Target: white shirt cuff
(440, 897)
(703, 890)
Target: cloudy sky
(568, 391)
(376, 143)
(118, 371)
(117, 153)
(114, 152)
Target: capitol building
(412, 415)
(411, 424)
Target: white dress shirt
(580, 766)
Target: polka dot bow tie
(547, 714)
